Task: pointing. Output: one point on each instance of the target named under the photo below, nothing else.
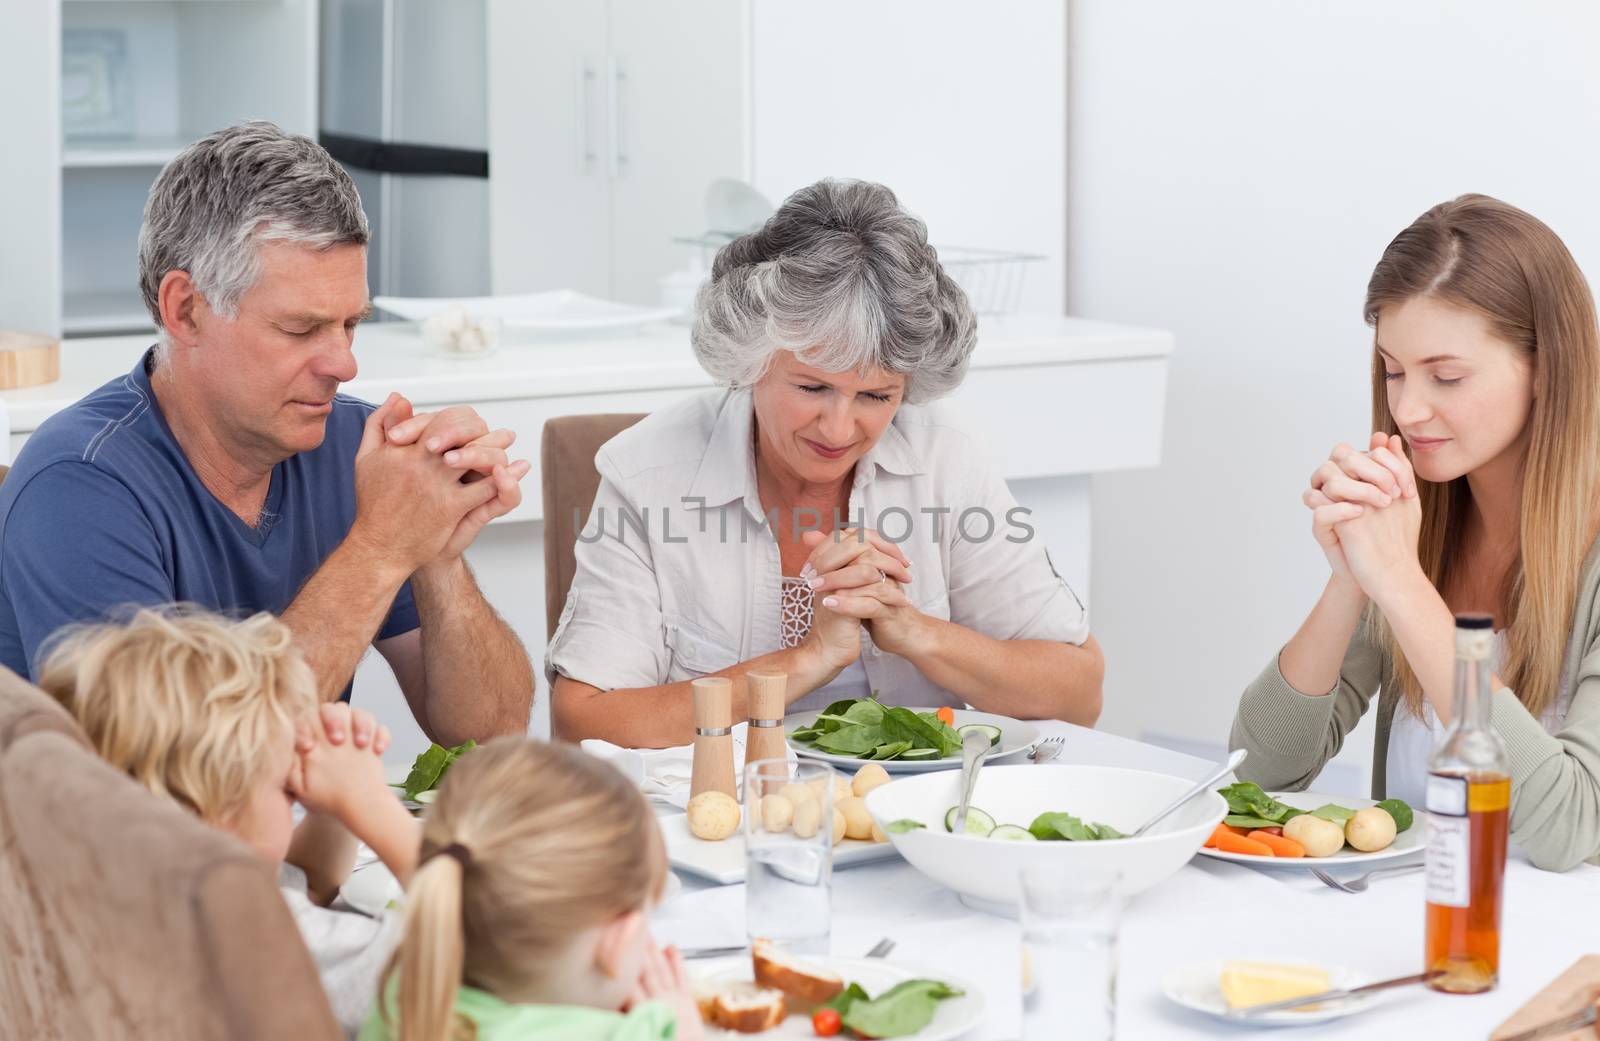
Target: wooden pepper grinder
(765, 739)
(713, 737)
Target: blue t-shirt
(102, 510)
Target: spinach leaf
(805, 735)
(1106, 831)
(903, 825)
(1244, 820)
(847, 997)
(922, 732)
(899, 1011)
(1334, 812)
(429, 768)
(1247, 799)
(852, 740)
(1061, 826)
(1397, 809)
(890, 749)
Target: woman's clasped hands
(1366, 516)
(857, 578)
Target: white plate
(1406, 843)
(723, 862)
(953, 1018)
(370, 890)
(1015, 736)
(1199, 987)
(561, 309)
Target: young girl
(1478, 492)
(223, 717)
(527, 917)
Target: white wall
(1235, 171)
(958, 106)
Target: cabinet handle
(615, 74)
(585, 96)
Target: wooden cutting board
(28, 359)
(1571, 992)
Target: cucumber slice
(992, 731)
(914, 754)
(1011, 833)
(979, 823)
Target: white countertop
(658, 357)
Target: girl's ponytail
(431, 952)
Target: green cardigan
(1555, 779)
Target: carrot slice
(1223, 838)
(1223, 829)
(946, 714)
(1280, 846)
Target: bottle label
(1449, 866)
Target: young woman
(1478, 492)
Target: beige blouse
(678, 572)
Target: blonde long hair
(548, 842)
(186, 702)
(1489, 257)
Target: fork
(881, 949)
(1046, 750)
(1359, 883)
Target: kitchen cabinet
(114, 89)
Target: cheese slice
(1258, 983)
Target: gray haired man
(226, 470)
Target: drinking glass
(788, 836)
(1069, 955)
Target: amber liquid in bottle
(1469, 809)
(1463, 944)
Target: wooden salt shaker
(713, 737)
(765, 739)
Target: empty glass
(1069, 956)
(788, 834)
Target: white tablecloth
(1209, 910)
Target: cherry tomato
(826, 1022)
(947, 715)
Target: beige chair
(122, 916)
(566, 464)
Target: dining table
(1209, 911)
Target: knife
(1555, 1028)
(1251, 1011)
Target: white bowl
(987, 869)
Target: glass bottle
(1469, 809)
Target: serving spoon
(974, 746)
(1222, 771)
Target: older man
(226, 470)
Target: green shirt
(498, 1020)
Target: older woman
(815, 517)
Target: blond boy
(223, 717)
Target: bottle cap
(1474, 621)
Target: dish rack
(992, 278)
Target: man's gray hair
(231, 190)
(845, 278)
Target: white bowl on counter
(986, 869)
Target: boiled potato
(839, 826)
(1370, 830)
(776, 813)
(841, 788)
(857, 821)
(798, 793)
(713, 816)
(1320, 838)
(807, 818)
(867, 778)
(877, 833)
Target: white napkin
(663, 774)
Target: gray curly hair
(231, 190)
(845, 278)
